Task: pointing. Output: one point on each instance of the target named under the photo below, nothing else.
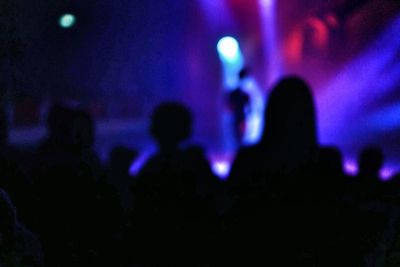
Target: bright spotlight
(266, 3)
(228, 48)
(351, 168)
(221, 169)
(67, 20)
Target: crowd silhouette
(287, 201)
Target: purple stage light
(217, 13)
(221, 168)
(350, 114)
(387, 173)
(351, 168)
(139, 163)
(270, 40)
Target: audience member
(120, 161)
(370, 164)
(167, 205)
(65, 181)
(290, 202)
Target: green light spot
(67, 20)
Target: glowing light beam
(232, 60)
(270, 39)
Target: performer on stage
(239, 104)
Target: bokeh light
(67, 21)
(228, 48)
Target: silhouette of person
(167, 172)
(239, 104)
(65, 180)
(338, 215)
(167, 204)
(84, 131)
(330, 167)
(374, 210)
(120, 160)
(370, 163)
(271, 181)
(289, 140)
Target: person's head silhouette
(290, 127)
(60, 124)
(370, 162)
(83, 129)
(171, 123)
